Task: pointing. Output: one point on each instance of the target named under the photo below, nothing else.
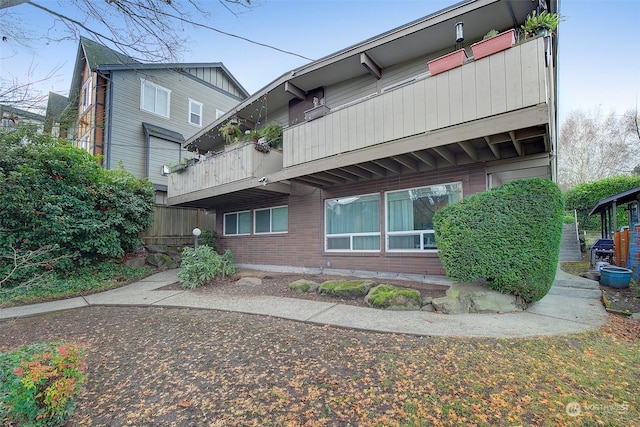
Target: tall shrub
(57, 196)
(584, 197)
(509, 236)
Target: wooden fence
(174, 226)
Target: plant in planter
(273, 133)
(230, 132)
(493, 42)
(538, 24)
(253, 135)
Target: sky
(599, 43)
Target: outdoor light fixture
(459, 34)
(165, 170)
(196, 233)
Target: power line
(197, 24)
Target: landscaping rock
(392, 298)
(156, 249)
(136, 261)
(475, 298)
(249, 281)
(346, 288)
(162, 261)
(304, 285)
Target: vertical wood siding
(506, 81)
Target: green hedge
(584, 197)
(509, 236)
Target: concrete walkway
(572, 305)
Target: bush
(200, 266)
(54, 195)
(584, 197)
(509, 236)
(39, 383)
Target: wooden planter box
(493, 45)
(447, 62)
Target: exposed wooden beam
(295, 91)
(389, 165)
(517, 144)
(341, 173)
(407, 162)
(425, 157)
(329, 177)
(308, 180)
(446, 154)
(370, 66)
(373, 168)
(355, 170)
(494, 148)
(468, 148)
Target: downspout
(107, 130)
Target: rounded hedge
(509, 235)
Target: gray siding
(128, 145)
(216, 77)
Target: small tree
(509, 236)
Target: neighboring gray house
(10, 117)
(377, 138)
(137, 115)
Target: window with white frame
(353, 224)
(271, 220)
(237, 223)
(84, 142)
(86, 94)
(219, 113)
(195, 112)
(409, 215)
(155, 99)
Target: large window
(237, 223)
(195, 112)
(155, 99)
(410, 215)
(353, 223)
(272, 220)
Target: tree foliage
(584, 197)
(509, 236)
(57, 196)
(595, 145)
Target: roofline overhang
(628, 196)
(435, 18)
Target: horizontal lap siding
(303, 245)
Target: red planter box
(495, 44)
(447, 62)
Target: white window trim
(388, 233)
(193, 101)
(270, 220)
(219, 113)
(350, 235)
(86, 94)
(224, 224)
(156, 86)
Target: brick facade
(303, 245)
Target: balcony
(239, 166)
(506, 81)
(496, 108)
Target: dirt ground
(277, 284)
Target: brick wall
(303, 245)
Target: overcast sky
(599, 43)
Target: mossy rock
(304, 285)
(390, 297)
(346, 288)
